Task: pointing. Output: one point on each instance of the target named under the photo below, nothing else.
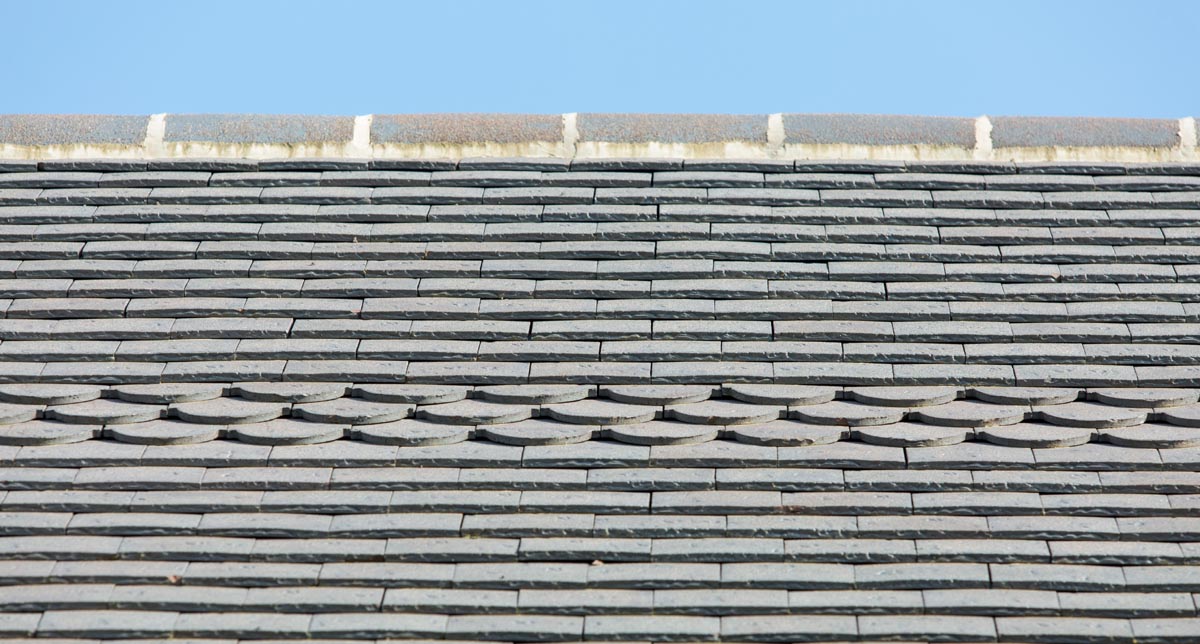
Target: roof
(615, 377)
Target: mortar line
(360, 139)
(983, 150)
(1187, 137)
(775, 134)
(570, 134)
(156, 130)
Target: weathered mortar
(598, 136)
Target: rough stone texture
(1026, 131)
(672, 128)
(64, 129)
(868, 129)
(465, 128)
(257, 128)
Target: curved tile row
(635, 394)
(413, 432)
(301, 413)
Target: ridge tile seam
(590, 135)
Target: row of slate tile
(409, 556)
(468, 294)
(598, 293)
(582, 259)
(142, 529)
(463, 260)
(611, 372)
(606, 454)
(665, 395)
(725, 602)
(229, 326)
(848, 262)
(420, 433)
(673, 238)
(138, 533)
(479, 573)
(436, 195)
(626, 179)
(550, 415)
(685, 178)
(999, 601)
(620, 351)
(192, 323)
(226, 216)
(850, 280)
(535, 309)
(599, 164)
(644, 479)
(678, 239)
(542, 627)
(237, 511)
(569, 259)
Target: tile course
(546, 400)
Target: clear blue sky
(958, 57)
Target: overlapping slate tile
(789, 433)
(1026, 395)
(352, 411)
(410, 432)
(1082, 414)
(227, 411)
(1143, 397)
(46, 432)
(907, 434)
(847, 413)
(534, 394)
(106, 412)
(602, 412)
(539, 432)
(657, 394)
(474, 412)
(904, 396)
(656, 432)
(972, 414)
(163, 394)
(739, 320)
(723, 412)
(289, 392)
(1038, 435)
(35, 394)
(165, 432)
(1153, 435)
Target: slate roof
(557, 398)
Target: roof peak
(781, 136)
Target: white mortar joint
(570, 128)
(775, 134)
(1187, 138)
(983, 139)
(360, 138)
(156, 130)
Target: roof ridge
(596, 135)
